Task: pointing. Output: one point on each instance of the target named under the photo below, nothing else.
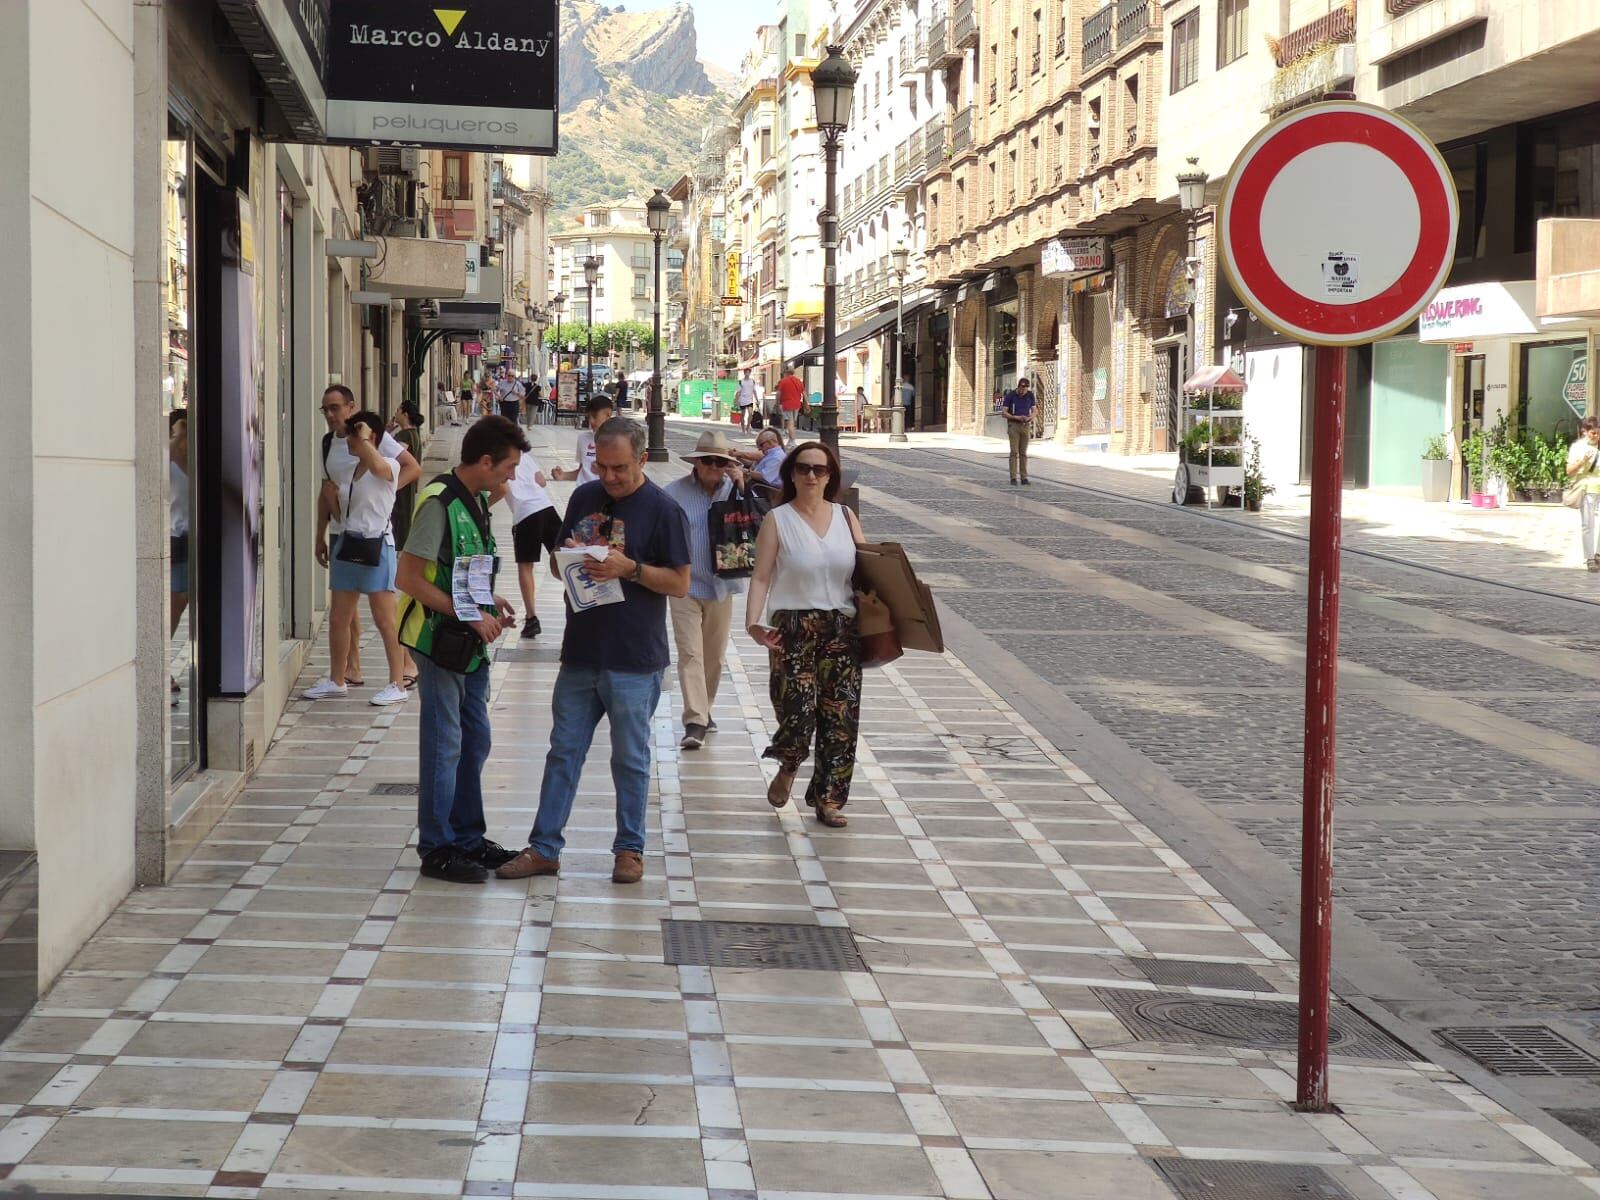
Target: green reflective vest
(464, 537)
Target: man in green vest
(449, 617)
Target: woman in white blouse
(362, 562)
(805, 558)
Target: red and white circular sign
(1338, 223)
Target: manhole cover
(749, 944)
(1261, 1024)
(394, 789)
(1173, 973)
(1521, 1050)
(1248, 1181)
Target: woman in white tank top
(802, 608)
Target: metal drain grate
(1249, 1181)
(1521, 1050)
(750, 944)
(1172, 973)
(1261, 1024)
(394, 789)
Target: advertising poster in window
(243, 450)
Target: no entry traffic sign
(1337, 226)
(1338, 223)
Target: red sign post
(1337, 226)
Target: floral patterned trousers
(816, 694)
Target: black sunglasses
(815, 470)
(716, 462)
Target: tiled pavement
(301, 1014)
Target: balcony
(994, 88)
(933, 146)
(1133, 21)
(509, 193)
(1037, 61)
(902, 161)
(961, 131)
(941, 50)
(1097, 37)
(1133, 136)
(963, 25)
(1058, 174)
(1061, 44)
(1336, 27)
(1091, 157)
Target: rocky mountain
(634, 101)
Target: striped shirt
(692, 498)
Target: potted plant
(1516, 463)
(1435, 471)
(1256, 487)
(1472, 453)
(1551, 469)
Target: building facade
(619, 236)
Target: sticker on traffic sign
(1338, 223)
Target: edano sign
(482, 76)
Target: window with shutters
(1233, 27)
(1185, 50)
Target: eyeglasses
(716, 462)
(333, 408)
(815, 470)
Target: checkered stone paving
(299, 1014)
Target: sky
(724, 27)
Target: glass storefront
(287, 560)
(1554, 394)
(177, 401)
(1002, 347)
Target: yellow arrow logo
(450, 18)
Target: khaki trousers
(700, 627)
(1020, 432)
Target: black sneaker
(711, 724)
(450, 865)
(694, 736)
(1025, 483)
(531, 628)
(491, 855)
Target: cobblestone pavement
(1532, 546)
(1469, 784)
(300, 1015)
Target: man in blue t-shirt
(1017, 408)
(612, 656)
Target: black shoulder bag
(354, 548)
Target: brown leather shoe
(628, 868)
(780, 787)
(529, 862)
(829, 815)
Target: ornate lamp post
(658, 213)
(782, 292)
(833, 84)
(1192, 198)
(591, 272)
(558, 302)
(897, 412)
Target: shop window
(177, 397)
(1555, 388)
(1003, 347)
(1185, 50)
(1233, 28)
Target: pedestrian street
(300, 1014)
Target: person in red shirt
(791, 399)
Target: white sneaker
(325, 689)
(391, 694)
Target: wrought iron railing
(1097, 37)
(1133, 20)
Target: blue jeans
(454, 746)
(581, 697)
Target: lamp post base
(897, 425)
(656, 424)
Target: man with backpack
(449, 616)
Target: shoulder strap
(454, 489)
(327, 445)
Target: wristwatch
(638, 572)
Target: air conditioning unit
(393, 160)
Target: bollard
(897, 424)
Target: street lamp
(833, 85)
(782, 292)
(591, 272)
(658, 212)
(558, 302)
(897, 413)
(1192, 198)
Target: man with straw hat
(700, 620)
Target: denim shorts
(353, 577)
